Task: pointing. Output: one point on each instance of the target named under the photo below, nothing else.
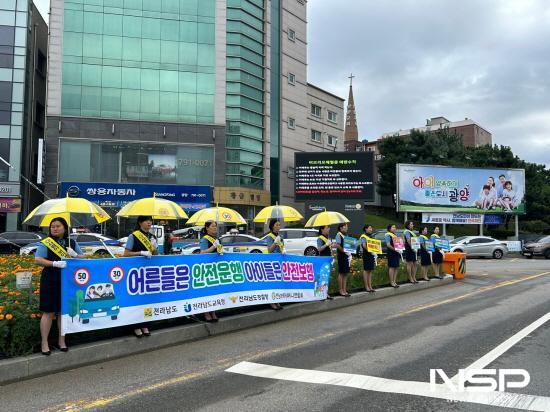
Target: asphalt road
(378, 356)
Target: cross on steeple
(350, 77)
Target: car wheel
(497, 254)
(114, 317)
(529, 256)
(85, 320)
(458, 251)
(547, 254)
(255, 251)
(311, 251)
(196, 252)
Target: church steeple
(350, 131)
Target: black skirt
(425, 259)
(50, 290)
(368, 261)
(410, 255)
(437, 257)
(393, 259)
(343, 263)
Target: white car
(300, 241)
(232, 243)
(90, 243)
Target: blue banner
(443, 244)
(116, 195)
(105, 293)
(493, 219)
(430, 247)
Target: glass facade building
(245, 93)
(139, 60)
(13, 55)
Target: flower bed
(20, 318)
(19, 315)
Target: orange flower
(33, 315)
(9, 316)
(1, 317)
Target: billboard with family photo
(425, 188)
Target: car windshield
(544, 239)
(100, 291)
(459, 239)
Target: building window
(316, 136)
(332, 117)
(291, 79)
(316, 110)
(291, 35)
(291, 123)
(290, 172)
(41, 63)
(332, 140)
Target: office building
(23, 51)
(179, 93)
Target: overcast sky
(488, 60)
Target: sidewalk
(35, 365)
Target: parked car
(11, 242)
(232, 243)
(90, 243)
(300, 241)
(479, 246)
(540, 247)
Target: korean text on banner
(374, 246)
(106, 293)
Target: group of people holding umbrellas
(59, 215)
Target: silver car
(481, 246)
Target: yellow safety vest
(55, 247)
(280, 244)
(324, 239)
(364, 236)
(219, 249)
(138, 234)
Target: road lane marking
(373, 383)
(494, 354)
(466, 295)
(90, 403)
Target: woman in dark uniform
(343, 259)
(275, 244)
(437, 256)
(369, 258)
(425, 258)
(141, 243)
(410, 254)
(49, 255)
(210, 244)
(324, 246)
(393, 256)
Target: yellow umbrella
(75, 210)
(279, 212)
(326, 219)
(159, 209)
(218, 215)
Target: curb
(36, 365)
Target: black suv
(11, 242)
(540, 247)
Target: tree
(443, 147)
